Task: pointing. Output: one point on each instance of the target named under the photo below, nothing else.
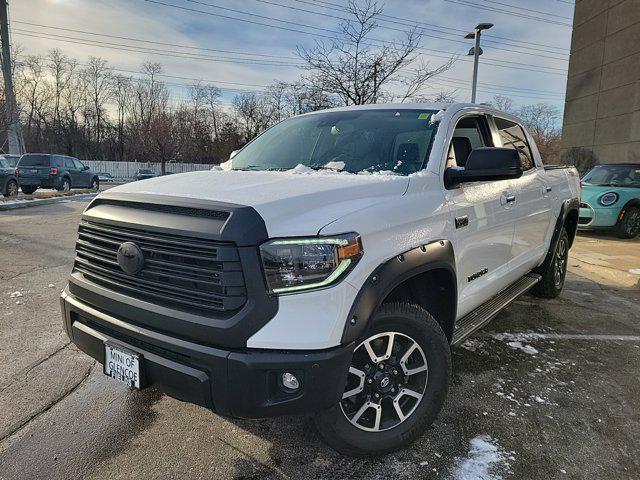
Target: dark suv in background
(54, 171)
(8, 178)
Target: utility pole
(13, 122)
(476, 51)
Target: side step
(478, 318)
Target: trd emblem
(130, 258)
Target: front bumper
(601, 217)
(239, 383)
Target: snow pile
(483, 459)
(335, 165)
(525, 348)
(16, 294)
(224, 166)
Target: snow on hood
(291, 202)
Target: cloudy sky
(244, 45)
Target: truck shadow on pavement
(516, 408)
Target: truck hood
(290, 203)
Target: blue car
(611, 199)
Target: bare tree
(254, 113)
(98, 77)
(212, 100)
(121, 93)
(542, 120)
(359, 72)
(503, 103)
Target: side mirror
(233, 154)
(86, 167)
(486, 164)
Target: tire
(95, 184)
(65, 185)
(554, 275)
(28, 189)
(408, 323)
(11, 189)
(629, 225)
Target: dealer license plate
(121, 365)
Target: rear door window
(68, 163)
(512, 136)
(57, 161)
(34, 160)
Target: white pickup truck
(326, 269)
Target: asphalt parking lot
(550, 389)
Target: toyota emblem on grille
(130, 258)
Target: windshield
(614, 176)
(353, 141)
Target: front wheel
(629, 225)
(397, 383)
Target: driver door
(482, 220)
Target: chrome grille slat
(184, 272)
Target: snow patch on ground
(472, 344)
(635, 271)
(15, 294)
(525, 348)
(484, 458)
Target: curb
(45, 201)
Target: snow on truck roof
(449, 108)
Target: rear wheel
(553, 276)
(397, 383)
(629, 225)
(28, 189)
(11, 189)
(65, 186)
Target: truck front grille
(182, 272)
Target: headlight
(295, 264)
(608, 199)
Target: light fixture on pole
(476, 51)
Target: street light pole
(476, 52)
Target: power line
(150, 51)
(496, 63)
(422, 32)
(510, 5)
(507, 12)
(410, 22)
(151, 41)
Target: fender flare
(572, 204)
(387, 276)
(634, 202)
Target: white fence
(129, 169)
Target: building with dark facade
(602, 110)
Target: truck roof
(449, 108)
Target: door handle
(505, 199)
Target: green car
(611, 199)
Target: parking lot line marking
(561, 336)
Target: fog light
(290, 381)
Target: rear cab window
(512, 136)
(31, 160)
